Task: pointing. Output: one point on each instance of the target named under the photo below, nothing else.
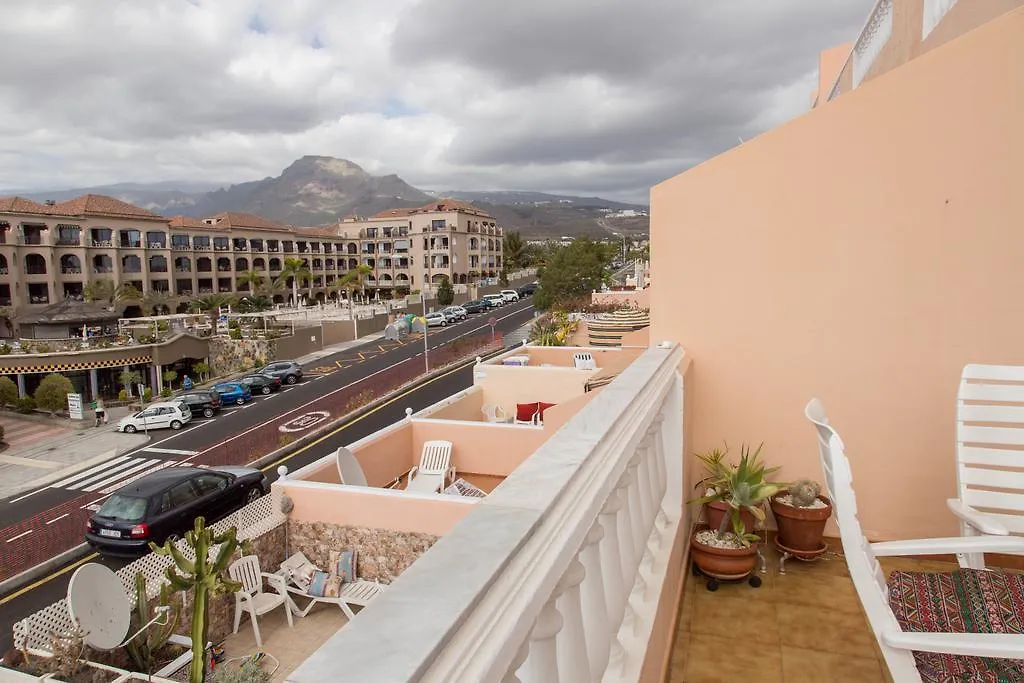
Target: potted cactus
(729, 551)
(801, 513)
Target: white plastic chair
(989, 435)
(434, 468)
(584, 360)
(252, 598)
(494, 413)
(898, 646)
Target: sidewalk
(43, 450)
(337, 348)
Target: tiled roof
(21, 205)
(235, 219)
(188, 223)
(395, 213)
(316, 232)
(440, 206)
(100, 205)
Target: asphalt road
(204, 435)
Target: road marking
(125, 482)
(361, 356)
(47, 579)
(57, 519)
(382, 349)
(172, 451)
(21, 535)
(76, 482)
(338, 363)
(93, 470)
(120, 475)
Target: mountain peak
(322, 164)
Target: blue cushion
(318, 586)
(346, 568)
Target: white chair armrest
(986, 524)
(1013, 545)
(1006, 645)
(276, 582)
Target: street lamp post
(426, 347)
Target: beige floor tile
(746, 620)
(810, 666)
(825, 592)
(686, 611)
(814, 628)
(715, 659)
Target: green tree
(445, 293)
(156, 302)
(572, 271)
(170, 376)
(295, 270)
(6, 318)
(108, 293)
(354, 279)
(211, 304)
(52, 393)
(8, 392)
(253, 278)
(254, 304)
(203, 368)
(514, 251)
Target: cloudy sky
(581, 96)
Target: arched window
(131, 264)
(241, 264)
(69, 264)
(157, 264)
(183, 264)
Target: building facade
(49, 252)
(444, 239)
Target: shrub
(148, 395)
(25, 405)
(8, 391)
(232, 324)
(43, 348)
(445, 293)
(122, 395)
(249, 671)
(235, 333)
(52, 393)
(5, 349)
(166, 392)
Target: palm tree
(156, 302)
(253, 278)
(353, 279)
(109, 293)
(295, 269)
(256, 303)
(211, 305)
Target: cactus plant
(204, 578)
(804, 492)
(144, 646)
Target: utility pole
(426, 347)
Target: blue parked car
(230, 392)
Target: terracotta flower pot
(713, 513)
(727, 564)
(801, 528)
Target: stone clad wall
(234, 355)
(382, 555)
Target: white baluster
(638, 532)
(594, 603)
(625, 533)
(541, 665)
(573, 663)
(511, 676)
(611, 560)
(648, 497)
(661, 469)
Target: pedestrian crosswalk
(107, 477)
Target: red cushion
(526, 411)
(544, 406)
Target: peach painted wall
(374, 508)
(481, 447)
(558, 415)
(507, 386)
(561, 356)
(469, 407)
(641, 338)
(384, 456)
(876, 252)
(637, 298)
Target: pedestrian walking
(101, 412)
(186, 383)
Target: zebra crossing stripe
(89, 472)
(82, 483)
(120, 475)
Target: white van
(495, 300)
(510, 295)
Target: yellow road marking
(353, 421)
(382, 349)
(338, 363)
(36, 584)
(361, 356)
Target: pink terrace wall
(875, 244)
(637, 298)
(480, 447)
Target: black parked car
(288, 371)
(164, 505)
(260, 384)
(527, 290)
(476, 306)
(200, 403)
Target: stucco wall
(874, 250)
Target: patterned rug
(964, 601)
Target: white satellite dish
(98, 602)
(349, 469)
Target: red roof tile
(235, 219)
(22, 205)
(100, 205)
(189, 223)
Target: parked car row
(175, 412)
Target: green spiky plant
(204, 578)
(743, 486)
(144, 646)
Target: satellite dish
(349, 469)
(98, 602)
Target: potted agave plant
(801, 513)
(727, 549)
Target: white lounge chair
(584, 360)
(252, 598)
(901, 626)
(494, 413)
(354, 594)
(989, 438)
(434, 469)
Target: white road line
(119, 476)
(57, 519)
(93, 503)
(105, 473)
(139, 475)
(89, 472)
(21, 535)
(172, 451)
(15, 500)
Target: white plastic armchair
(989, 439)
(898, 646)
(252, 598)
(584, 360)
(494, 413)
(434, 469)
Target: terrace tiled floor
(802, 626)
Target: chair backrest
(246, 571)
(584, 360)
(990, 435)
(436, 457)
(491, 411)
(868, 577)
